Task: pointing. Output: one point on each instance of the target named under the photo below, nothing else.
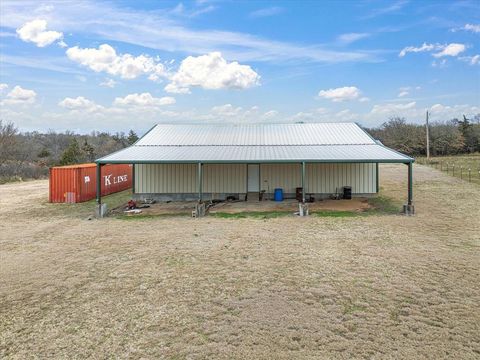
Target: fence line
(468, 172)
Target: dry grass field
(465, 166)
(378, 286)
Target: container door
(253, 183)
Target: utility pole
(428, 138)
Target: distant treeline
(29, 155)
(457, 136)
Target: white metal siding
(326, 178)
(224, 178)
(182, 178)
(285, 176)
(165, 178)
(232, 178)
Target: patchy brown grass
(378, 286)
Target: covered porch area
(208, 182)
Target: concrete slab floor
(186, 207)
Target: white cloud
(472, 60)
(346, 115)
(424, 47)
(181, 10)
(475, 60)
(36, 31)
(403, 93)
(235, 114)
(266, 12)
(144, 99)
(270, 115)
(3, 87)
(416, 114)
(142, 106)
(472, 27)
(325, 115)
(352, 37)
(81, 104)
(20, 96)
(106, 59)
(345, 93)
(392, 109)
(159, 30)
(453, 49)
(212, 72)
(448, 112)
(392, 7)
(227, 110)
(108, 83)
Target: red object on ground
(131, 204)
(77, 183)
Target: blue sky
(92, 65)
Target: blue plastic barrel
(278, 195)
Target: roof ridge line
(248, 145)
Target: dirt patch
(175, 287)
(238, 207)
(356, 204)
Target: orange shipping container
(77, 183)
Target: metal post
(377, 180)
(303, 182)
(410, 183)
(99, 184)
(408, 208)
(428, 138)
(133, 178)
(199, 181)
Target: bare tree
(8, 141)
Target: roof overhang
(372, 153)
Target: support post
(302, 206)
(410, 183)
(377, 181)
(99, 184)
(100, 209)
(303, 182)
(409, 208)
(200, 182)
(428, 137)
(133, 179)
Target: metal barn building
(203, 162)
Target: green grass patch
(251, 214)
(350, 308)
(9, 179)
(146, 217)
(336, 213)
(383, 205)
